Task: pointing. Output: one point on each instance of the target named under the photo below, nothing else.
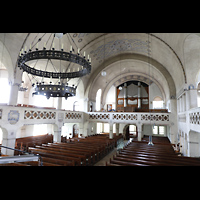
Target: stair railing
(40, 158)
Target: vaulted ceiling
(159, 57)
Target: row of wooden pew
(77, 151)
(25, 142)
(160, 154)
(74, 152)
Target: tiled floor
(103, 161)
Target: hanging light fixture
(103, 73)
(49, 90)
(120, 88)
(55, 91)
(149, 60)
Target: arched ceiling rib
(133, 44)
(167, 53)
(145, 59)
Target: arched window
(40, 100)
(157, 103)
(198, 95)
(39, 129)
(4, 90)
(1, 136)
(76, 106)
(98, 100)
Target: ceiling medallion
(61, 89)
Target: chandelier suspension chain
(56, 90)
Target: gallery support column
(111, 131)
(57, 133)
(59, 103)
(139, 129)
(125, 95)
(117, 129)
(13, 94)
(15, 84)
(139, 94)
(174, 121)
(9, 139)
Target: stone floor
(103, 161)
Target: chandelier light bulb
(103, 73)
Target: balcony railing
(29, 115)
(127, 117)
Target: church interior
(99, 99)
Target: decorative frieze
(32, 114)
(147, 117)
(125, 116)
(99, 116)
(73, 115)
(195, 118)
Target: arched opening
(98, 100)
(1, 135)
(4, 90)
(76, 106)
(75, 130)
(132, 95)
(40, 129)
(130, 131)
(40, 100)
(4, 84)
(198, 95)
(158, 103)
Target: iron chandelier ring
(57, 55)
(55, 91)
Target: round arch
(126, 132)
(133, 56)
(6, 61)
(140, 77)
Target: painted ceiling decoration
(116, 46)
(123, 45)
(169, 60)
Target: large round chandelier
(59, 89)
(55, 91)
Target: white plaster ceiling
(166, 48)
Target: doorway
(75, 130)
(130, 131)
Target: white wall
(111, 98)
(37, 129)
(154, 91)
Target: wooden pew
(99, 149)
(161, 154)
(45, 153)
(14, 164)
(58, 161)
(171, 157)
(124, 163)
(36, 163)
(90, 156)
(94, 151)
(81, 155)
(25, 142)
(159, 161)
